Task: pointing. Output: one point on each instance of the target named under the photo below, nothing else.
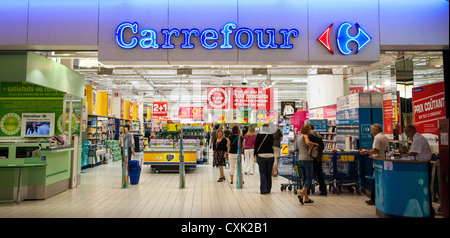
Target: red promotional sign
(191, 112)
(428, 105)
(388, 114)
(257, 98)
(159, 110)
(330, 112)
(217, 98)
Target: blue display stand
(402, 188)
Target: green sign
(243, 109)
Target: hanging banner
(388, 115)
(217, 98)
(256, 98)
(428, 106)
(159, 110)
(191, 113)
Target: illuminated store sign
(208, 37)
(344, 38)
(244, 38)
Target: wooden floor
(157, 196)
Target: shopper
(420, 148)
(214, 136)
(249, 156)
(277, 138)
(126, 134)
(219, 153)
(317, 162)
(263, 150)
(306, 162)
(233, 144)
(379, 148)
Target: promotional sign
(428, 106)
(256, 98)
(320, 125)
(17, 98)
(217, 98)
(191, 113)
(159, 110)
(287, 108)
(37, 124)
(329, 112)
(388, 115)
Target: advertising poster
(256, 98)
(329, 112)
(388, 115)
(287, 109)
(22, 97)
(159, 110)
(428, 106)
(37, 124)
(190, 113)
(218, 98)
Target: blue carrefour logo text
(243, 38)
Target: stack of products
(84, 154)
(113, 146)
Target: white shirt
(380, 142)
(421, 146)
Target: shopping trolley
(289, 169)
(347, 172)
(328, 172)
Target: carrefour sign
(243, 38)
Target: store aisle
(158, 195)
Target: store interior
(119, 95)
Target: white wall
(322, 90)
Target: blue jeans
(307, 172)
(265, 171)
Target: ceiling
(175, 83)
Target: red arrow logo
(325, 39)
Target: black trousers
(265, 171)
(317, 168)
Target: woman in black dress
(220, 152)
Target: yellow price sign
(325, 157)
(351, 158)
(344, 158)
(284, 149)
(173, 127)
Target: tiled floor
(157, 196)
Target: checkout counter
(402, 188)
(34, 170)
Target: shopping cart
(347, 173)
(289, 169)
(328, 172)
(366, 166)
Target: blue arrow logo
(344, 38)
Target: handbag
(261, 145)
(313, 151)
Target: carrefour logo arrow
(344, 38)
(325, 39)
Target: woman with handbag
(305, 162)
(219, 153)
(263, 151)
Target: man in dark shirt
(317, 162)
